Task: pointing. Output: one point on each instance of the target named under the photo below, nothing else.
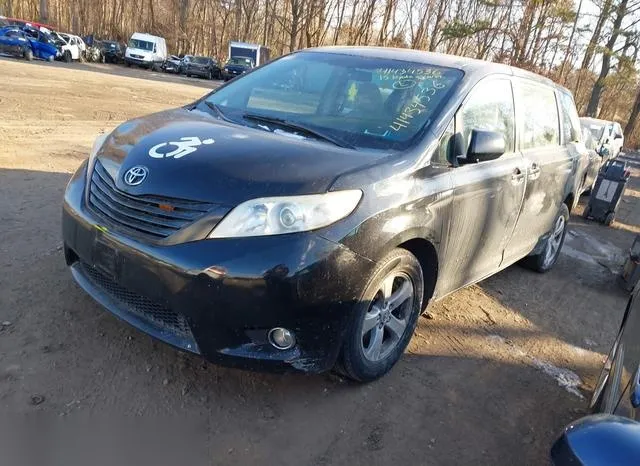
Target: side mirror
(597, 440)
(618, 136)
(485, 145)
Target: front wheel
(546, 259)
(67, 57)
(383, 321)
(28, 55)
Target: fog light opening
(281, 338)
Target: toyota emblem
(136, 175)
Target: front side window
(367, 102)
(201, 60)
(489, 108)
(570, 119)
(539, 116)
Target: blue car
(27, 43)
(611, 437)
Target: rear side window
(570, 119)
(539, 116)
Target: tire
(50, 58)
(367, 355)
(546, 259)
(587, 212)
(209, 75)
(67, 57)
(28, 55)
(608, 220)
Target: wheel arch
(427, 256)
(570, 200)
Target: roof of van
(595, 121)
(145, 36)
(468, 65)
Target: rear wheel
(546, 259)
(209, 75)
(383, 321)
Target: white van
(146, 50)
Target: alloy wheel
(553, 243)
(388, 316)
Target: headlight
(280, 215)
(226, 69)
(97, 144)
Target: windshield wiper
(298, 127)
(216, 108)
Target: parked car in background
(70, 47)
(172, 64)
(204, 67)
(111, 51)
(607, 134)
(307, 228)
(236, 66)
(146, 50)
(184, 61)
(259, 54)
(611, 437)
(15, 42)
(595, 160)
(28, 43)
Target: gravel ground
(489, 378)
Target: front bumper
(231, 74)
(139, 62)
(219, 298)
(203, 72)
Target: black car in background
(111, 51)
(612, 435)
(204, 67)
(236, 66)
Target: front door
(486, 196)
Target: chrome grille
(143, 307)
(141, 214)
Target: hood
(192, 155)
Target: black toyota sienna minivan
(302, 216)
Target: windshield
(365, 102)
(244, 61)
(141, 44)
(201, 60)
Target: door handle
(534, 169)
(517, 176)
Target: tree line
(589, 46)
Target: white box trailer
(258, 53)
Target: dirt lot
(489, 379)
